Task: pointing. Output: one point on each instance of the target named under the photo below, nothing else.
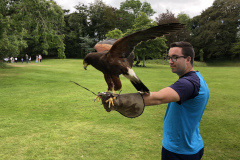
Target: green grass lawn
(45, 116)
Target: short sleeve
(186, 87)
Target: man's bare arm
(165, 95)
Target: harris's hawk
(114, 58)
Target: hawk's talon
(98, 97)
(110, 101)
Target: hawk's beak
(85, 65)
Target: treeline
(42, 27)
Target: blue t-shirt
(181, 133)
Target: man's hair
(187, 49)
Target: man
(187, 99)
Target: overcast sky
(190, 7)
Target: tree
(185, 33)
(140, 23)
(215, 30)
(124, 20)
(235, 48)
(151, 49)
(185, 19)
(90, 24)
(101, 20)
(114, 34)
(44, 21)
(136, 7)
(201, 55)
(129, 11)
(11, 31)
(87, 26)
(131, 6)
(77, 39)
(147, 9)
(86, 45)
(32, 27)
(169, 17)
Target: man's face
(177, 63)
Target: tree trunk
(144, 60)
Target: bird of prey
(116, 57)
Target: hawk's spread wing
(124, 46)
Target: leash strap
(83, 87)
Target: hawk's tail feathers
(137, 83)
(140, 86)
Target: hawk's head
(85, 64)
(87, 60)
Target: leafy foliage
(151, 49)
(136, 7)
(101, 19)
(215, 30)
(124, 19)
(235, 48)
(169, 17)
(87, 26)
(77, 40)
(11, 32)
(42, 27)
(114, 34)
(130, 10)
(35, 25)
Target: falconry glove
(130, 105)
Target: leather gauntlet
(130, 105)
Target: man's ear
(189, 59)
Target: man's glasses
(174, 58)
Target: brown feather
(102, 47)
(109, 82)
(124, 46)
